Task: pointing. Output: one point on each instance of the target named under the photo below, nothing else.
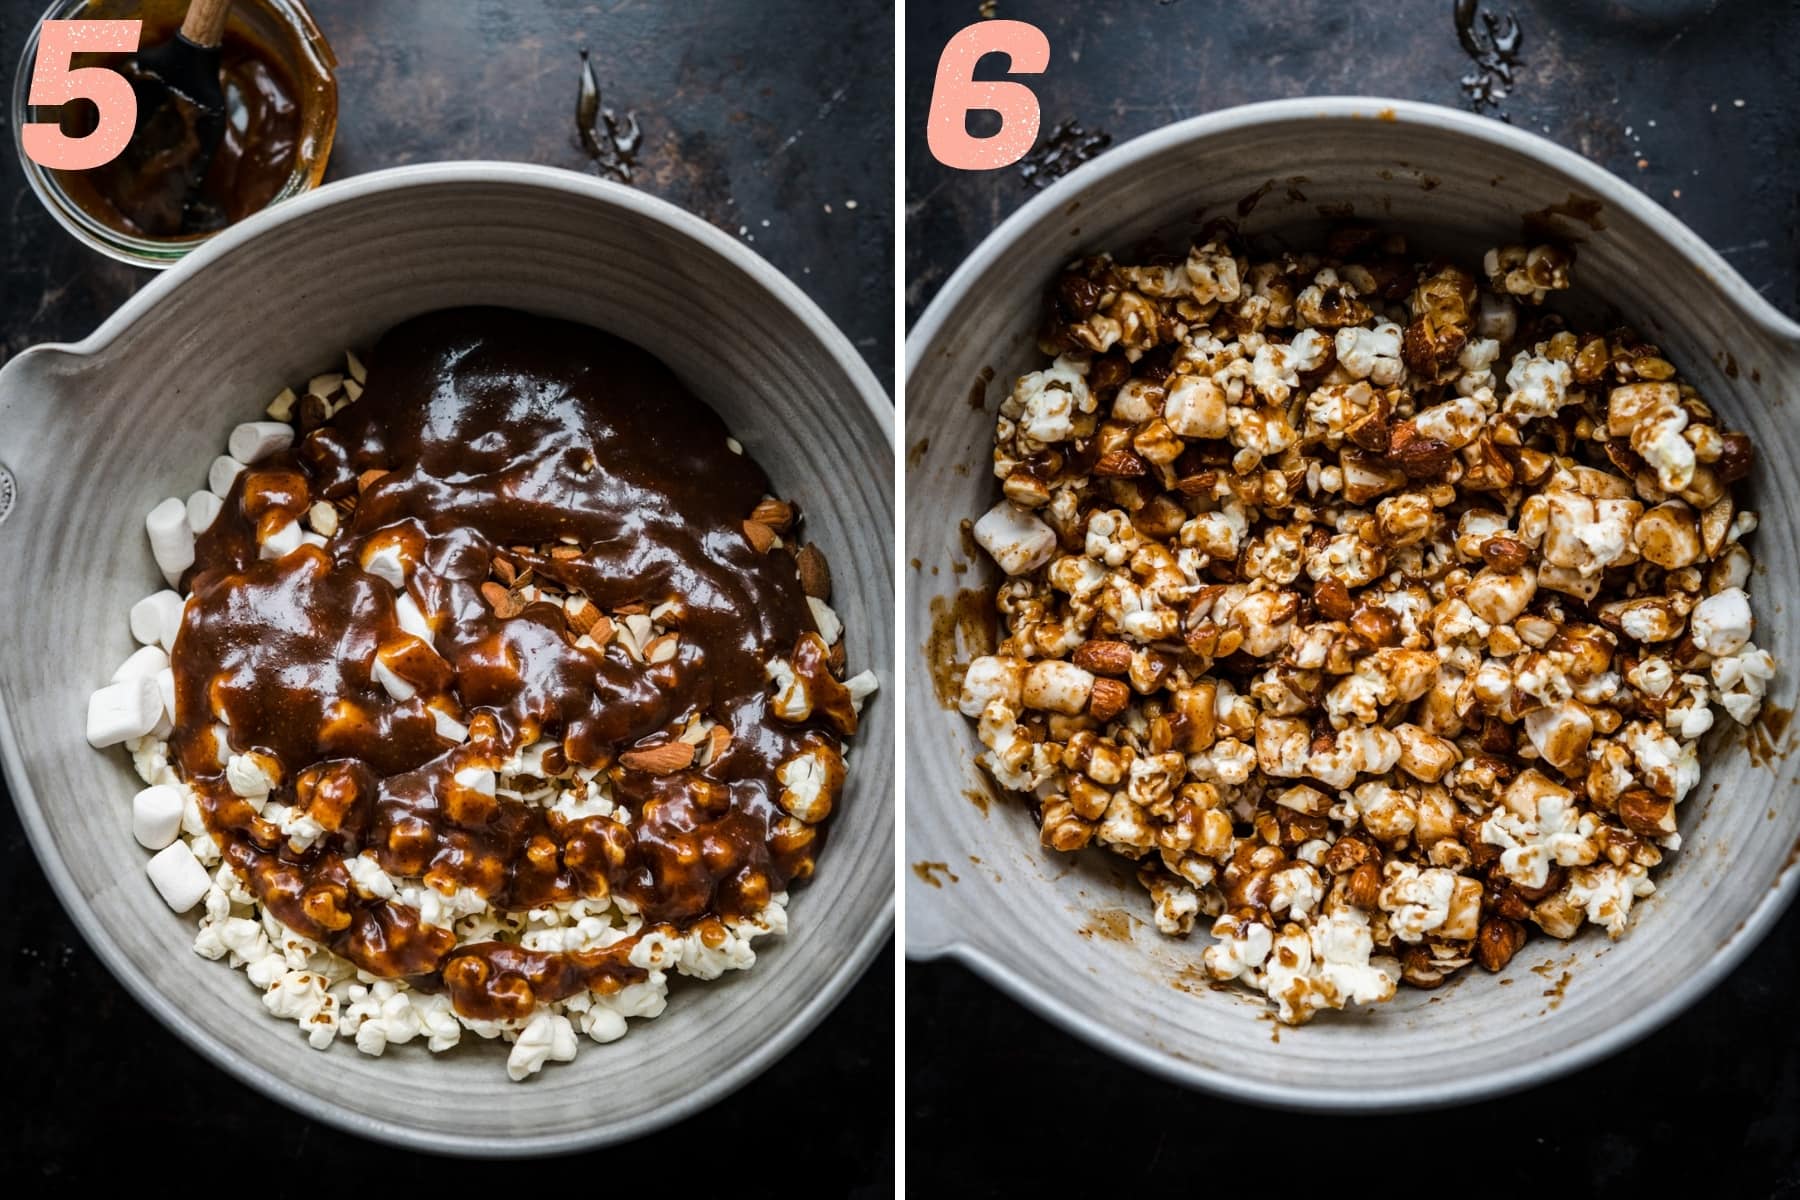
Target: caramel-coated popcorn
(1371, 609)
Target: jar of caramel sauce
(281, 116)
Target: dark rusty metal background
(1651, 90)
(756, 116)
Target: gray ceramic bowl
(1068, 936)
(98, 432)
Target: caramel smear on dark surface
(1492, 43)
(963, 628)
(495, 432)
(1064, 147)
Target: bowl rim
(1038, 994)
(790, 1028)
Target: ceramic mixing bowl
(96, 433)
(1070, 936)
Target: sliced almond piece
(658, 760)
(582, 616)
(565, 552)
(1108, 699)
(815, 574)
(501, 568)
(776, 514)
(1103, 657)
(369, 478)
(717, 739)
(760, 535)
(503, 603)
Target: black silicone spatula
(180, 118)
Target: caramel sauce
(143, 193)
(497, 432)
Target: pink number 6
(957, 92)
(53, 83)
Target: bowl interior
(1071, 934)
(98, 436)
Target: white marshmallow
(478, 779)
(155, 620)
(165, 689)
(203, 509)
(156, 816)
(171, 540)
(313, 539)
(284, 540)
(254, 440)
(120, 712)
(412, 618)
(386, 563)
(144, 661)
(826, 618)
(396, 687)
(178, 876)
(222, 474)
(1016, 539)
(448, 727)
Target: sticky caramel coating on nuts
(1371, 608)
(533, 539)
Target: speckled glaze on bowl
(1069, 935)
(96, 433)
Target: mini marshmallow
(309, 538)
(385, 563)
(203, 509)
(178, 876)
(284, 540)
(155, 619)
(144, 661)
(171, 540)
(120, 712)
(396, 687)
(826, 618)
(478, 779)
(412, 618)
(254, 440)
(156, 816)
(1016, 539)
(448, 727)
(222, 474)
(165, 688)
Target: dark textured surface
(998, 1096)
(731, 131)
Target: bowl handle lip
(929, 931)
(1351, 111)
(21, 383)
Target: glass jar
(283, 27)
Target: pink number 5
(957, 92)
(53, 83)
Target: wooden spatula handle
(205, 22)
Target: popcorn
(1378, 636)
(1721, 624)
